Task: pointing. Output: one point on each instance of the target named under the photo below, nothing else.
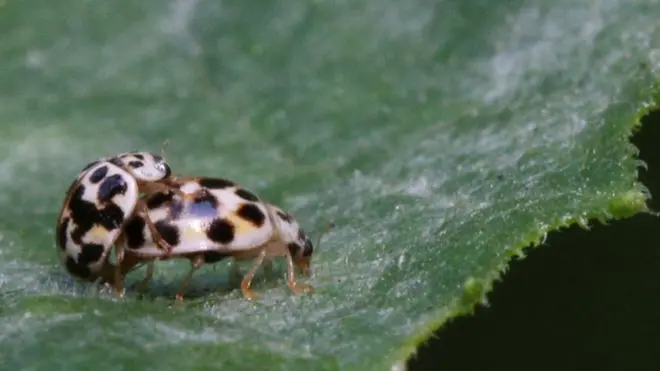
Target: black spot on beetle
(111, 217)
(136, 164)
(293, 248)
(251, 213)
(204, 205)
(78, 194)
(134, 233)
(90, 253)
(176, 208)
(77, 269)
(168, 171)
(214, 256)
(139, 156)
(77, 233)
(169, 233)
(85, 215)
(221, 231)
(246, 195)
(157, 158)
(284, 216)
(205, 197)
(117, 162)
(111, 187)
(159, 199)
(216, 183)
(61, 234)
(99, 174)
(89, 166)
(308, 248)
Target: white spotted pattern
(151, 168)
(194, 219)
(97, 234)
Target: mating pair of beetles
(134, 203)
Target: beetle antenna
(163, 148)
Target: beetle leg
(142, 285)
(155, 235)
(106, 277)
(297, 288)
(196, 263)
(129, 263)
(170, 185)
(98, 284)
(247, 278)
(119, 277)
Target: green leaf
(440, 137)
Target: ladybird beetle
(209, 219)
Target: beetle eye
(308, 248)
(164, 168)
